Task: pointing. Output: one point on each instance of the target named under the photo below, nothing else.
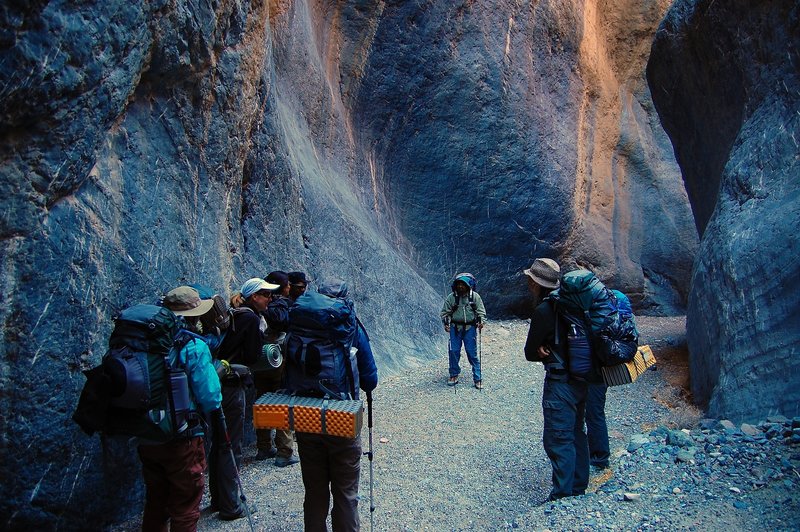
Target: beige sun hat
(185, 301)
(544, 272)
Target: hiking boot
(238, 515)
(479, 385)
(452, 381)
(282, 461)
(263, 454)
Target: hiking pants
(596, 427)
(271, 381)
(563, 405)
(222, 467)
(330, 465)
(469, 337)
(173, 479)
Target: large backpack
(322, 330)
(135, 390)
(596, 332)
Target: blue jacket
(367, 370)
(203, 380)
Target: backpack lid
(146, 328)
(581, 292)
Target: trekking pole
(370, 456)
(223, 428)
(480, 353)
(449, 348)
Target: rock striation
(154, 143)
(724, 78)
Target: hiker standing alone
(463, 315)
(563, 397)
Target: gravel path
(463, 459)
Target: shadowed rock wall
(724, 77)
(150, 144)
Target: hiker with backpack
(173, 471)
(242, 347)
(576, 331)
(564, 396)
(463, 316)
(269, 378)
(329, 355)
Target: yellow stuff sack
(308, 414)
(628, 372)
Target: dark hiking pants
(596, 427)
(173, 479)
(331, 466)
(563, 405)
(222, 464)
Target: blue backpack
(321, 332)
(597, 332)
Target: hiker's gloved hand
(480, 325)
(220, 428)
(446, 327)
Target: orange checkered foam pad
(308, 414)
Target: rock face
(724, 77)
(516, 131)
(150, 144)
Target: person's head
(185, 301)
(543, 277)
(257, 293)
(297, 284)
(463, 283)
(281, 279)
(460, 287)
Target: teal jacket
(459, 310)
(203, 380)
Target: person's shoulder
(244, 314)
(280, 302)
(545, 308)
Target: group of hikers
(220, 356)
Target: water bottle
(179, 388)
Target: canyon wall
(725, 79)
(155, 143)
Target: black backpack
(322, 330)
(135, 390)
